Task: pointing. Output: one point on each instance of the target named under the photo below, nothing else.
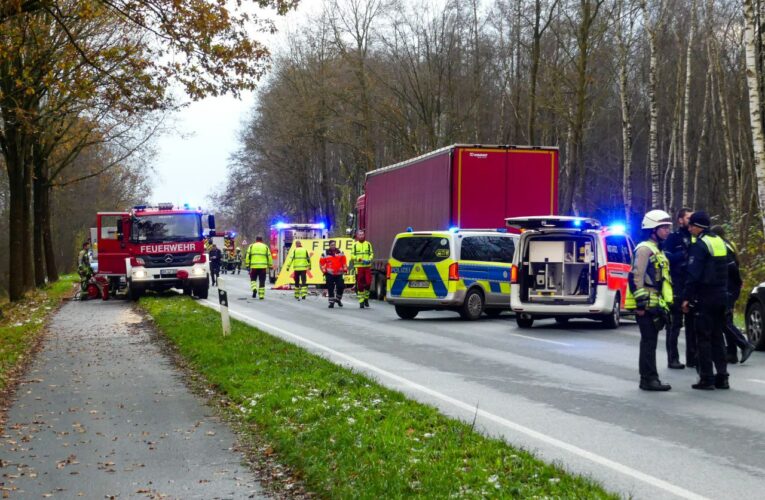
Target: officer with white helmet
(649, 294)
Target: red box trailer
(465, 186)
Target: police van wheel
(405, 312)
(611, 320)
(473, 306)
(524, 320)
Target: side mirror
(211, 222)
(350, 219)
(348, 231)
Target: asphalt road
(103, 413)
(570, 394)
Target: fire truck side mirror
(211, 221)
(350, 219)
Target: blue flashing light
(281, 225)
(321, 225)
(410, 229)
(454, 229)
(618, 228)
(577, 222)
(501, 229)
(233, 234)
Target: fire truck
(153, 248)
(282, 236)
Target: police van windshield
(421, 249)
(167, 227)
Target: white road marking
(581, 452)
(542, 340)
(756, 380)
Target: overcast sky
(191, 164)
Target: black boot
(731, 358)
(721, 381)
(746, 352)
(366, 302)
(331, 305)
(704, 385)
(654, 385)
(254, 294)
(676, 365)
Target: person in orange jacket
(334, 265)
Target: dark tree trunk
(39, 259)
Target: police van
(568, 267)
(467, 271)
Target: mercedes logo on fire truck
(168, 258)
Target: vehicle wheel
(562, 320)
(134, 293)
(611, 321)
(754, 319)
(187, 290)
(494, 313)
(405, 312)
(473, 306)
(524, 320)
(380, 286)
(202, 291)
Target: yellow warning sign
(315, 249)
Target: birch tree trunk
(702, 138)
(624, 52)
(755, 105)
(687, 105)
(653, 136)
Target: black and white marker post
(223, 301)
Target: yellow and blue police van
(467, 271)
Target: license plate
(419, 284)
(168, 272)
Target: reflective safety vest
(362, 254)
(300, 260)
(716, 267)
(258, 256)
(657, 295)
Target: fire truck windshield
(166, 227)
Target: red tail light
(514, 274)
(387, 271)
(454, 272)
(200, 259)
(602, 276)
(136, 261)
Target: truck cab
(153, 248)
(567, 267)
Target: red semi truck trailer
(465, 186)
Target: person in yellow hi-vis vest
(649, 294)
(258, 261)
(300, 261)
(361, 256)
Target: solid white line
(755, 380)
(600, 460)
(542, 340)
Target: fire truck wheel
(134, 293)
(201, 292)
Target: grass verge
(345, 435)
(22, 323)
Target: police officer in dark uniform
(216, 256)
(705, 295)
(734, 338)
(676, 249)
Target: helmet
(656, 218)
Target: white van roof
(541, 222)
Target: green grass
(22, 323)
(345, 435)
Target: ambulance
(569, 267)
(281, 236)
(467, 271)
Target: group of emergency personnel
(690, 277)
(333, 265)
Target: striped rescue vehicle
(467, 271)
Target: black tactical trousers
(677, 320)
(649, 338)
(709, 321)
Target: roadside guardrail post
(223, 301)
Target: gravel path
(103, 413)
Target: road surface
(570, 394)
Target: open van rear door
(551, 222)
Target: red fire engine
(153, 248)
